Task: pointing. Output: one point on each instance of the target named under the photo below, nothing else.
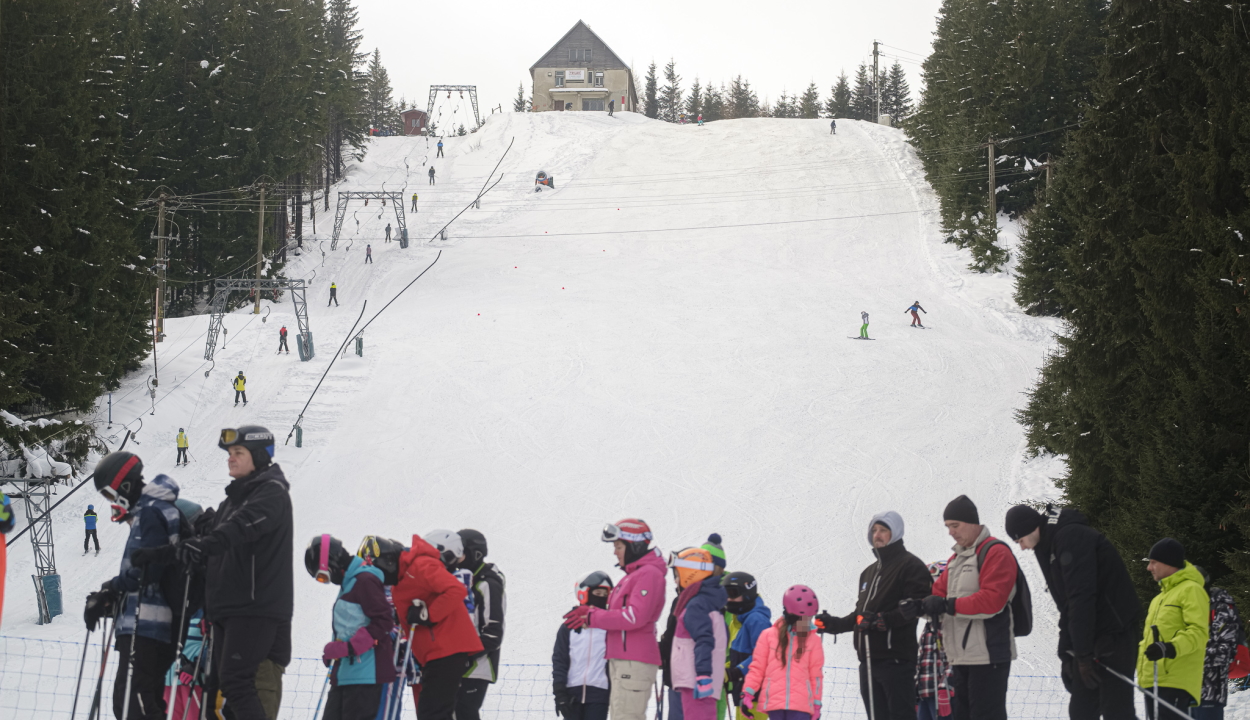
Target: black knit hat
(1169, 552)
(963, 510)
(1022, 520)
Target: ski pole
(86, 644)
(195, 679)
(397, 701)
(872, 709)
(130, 656)
(182, 637)
(326, 684)
(1149, 695)
(1155, 630)
(94, 712)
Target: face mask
(597, 601)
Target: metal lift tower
(449, 89)
(221, 294)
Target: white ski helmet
(449, 545)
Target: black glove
(1088, 672)
(936, 605)
(735, 676)
(196, 550)
(910, 608)
(1157, 651)
(870, 622)
(162, 554)
(563, 703)
(99, 605)
(419, 614)
(825, 623)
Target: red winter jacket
(422, 576)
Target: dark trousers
(239, 645)
(182, 455)
(91, 536)
(334, 298)
(1113, 699)
(282, 344)
(980, 691)
(414, 205)
(1176, 696)
(440, 152)
(237, 394)
(893, 689)
(440, 684)
(470, 697)
(353, 702)
(1208, 711)
(431, 179)
(147, 683)
(580, 711)
(369, 256)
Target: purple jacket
(633, 608)
(702, 637)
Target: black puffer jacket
(1089, 583)
(250, 565)
(896, 576)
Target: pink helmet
(801, 600)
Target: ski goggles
(612, 533)
(674, 561)
(734, 591)
(323, 563)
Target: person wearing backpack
(1099, 612)
(983, 604)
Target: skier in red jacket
(443, 634)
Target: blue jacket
(362, 603)
(154, 522)
(754, 621)
(89, 518)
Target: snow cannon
(542, 179)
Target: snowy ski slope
(665, 335)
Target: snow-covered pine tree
(379, 107)
(809, 102)
(839, 103)
(670, 94)
(898, 93)
(741, 101)
(863, 97)
(520, 104)
(694, 102)
(651, 105)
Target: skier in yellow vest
(182, 448)
(334, 295)
(240, 388)
(414, 202)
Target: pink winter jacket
(633, 607)
(796, 685)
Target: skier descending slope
(863, 329)
(915, 318)
(633, 609)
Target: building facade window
(593, 105)
(598, 79)
(559, 78)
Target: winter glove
(825, 623)
(816, 711)
(162, 554)
(748, 701)
(419, 614)
(196, 550)
(935, 606)
(563, 704)
(1160, 650)
(1088, 672)
(99, 605)
(910, 609)
(702, 687)
(735, 675)
(578, 617)
(870, 621)
(334, 650)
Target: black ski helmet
(258, 440)
(121, 473)
(383, 554)
(326, 560)
(474, 547)
(742, 589)
(597, 579)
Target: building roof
(566, 35)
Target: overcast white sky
(775, 45)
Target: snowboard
(856, 337)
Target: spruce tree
(379, 107)
(839, 103)
(864, 96)
(1146, 396)
(896, 94)
(670, 94)
(809, 102)
(694, 102)
(519, 104)
(741, 101)
(651, 105)
(714, 103)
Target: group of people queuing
(721, 647)
(202, 604)
(200, 610)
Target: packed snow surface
(666, 334)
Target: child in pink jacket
(786, 667)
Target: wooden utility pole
(161, 262)
(260, 248)
(993, 189)
(876, 81)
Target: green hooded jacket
(1182, 613)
